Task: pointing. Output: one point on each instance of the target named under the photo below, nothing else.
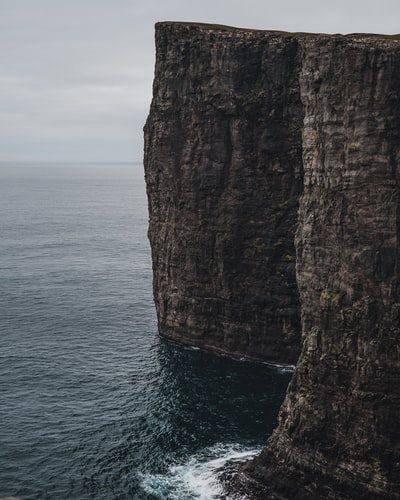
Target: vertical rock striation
(339, 429)
(224, 174)
(247, 129)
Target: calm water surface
(92, 404)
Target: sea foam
(198, 477)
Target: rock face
(242, 123)
(224, 174)
(339, 429)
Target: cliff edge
(264, 150)
(224, 174)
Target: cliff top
(233, 29)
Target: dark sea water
(93, 405)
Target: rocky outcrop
(224, 173)
(339, 432)
(243, 123)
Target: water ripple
(92, 402)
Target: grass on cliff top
(375, 35)
(223, 27)
(219, 27)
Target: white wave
(198, 478)
(285, 368)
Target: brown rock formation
(236, 117)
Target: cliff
(339, 431)
(253, 136)
(224, 174)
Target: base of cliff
(240, 486)
(235, 355)
(250, 481)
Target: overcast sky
(76, 75)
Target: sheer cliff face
(339, 429)
(224, 174)
(236, 117)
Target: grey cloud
(75, 78)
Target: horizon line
(65, 162)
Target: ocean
(93, 404)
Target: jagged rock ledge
(271, 151)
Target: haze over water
(93, 404)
